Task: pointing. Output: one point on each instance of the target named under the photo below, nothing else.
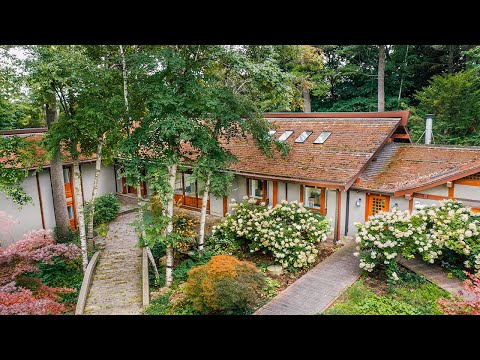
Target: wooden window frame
(323, 208)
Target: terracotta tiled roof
(337, 161)
(41, 152)
(401, 167)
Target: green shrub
(225, 285)
(106, 209)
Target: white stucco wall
(403, 204)
(293, 192)
(280, 191)
(47, 199)
(356, 213)
(29, 215)
(440, 190)
(467, 192)
(106, 182)
(216, 205)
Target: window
(178, 184)
(70, 211)
(285, 135)
(66, 175)
(272, 132)
(303, 136)
(256, 188)
(312, 197)
(190, 186)
(322, 137)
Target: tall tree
(56, 175)
(190, 92)
(381, 78)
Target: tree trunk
(80, 217)
(203, 215)
(98, 166)
(450, 59)
(172, 172)
(307, 106)
(381, 78)
(152, 261)
(56, 175)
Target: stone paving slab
(117, 283)
(319, 288)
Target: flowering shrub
(429, 233)
(464, 304)
(289, 231)
(225, 284)
(22, 293)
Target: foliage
(106, 210)
(165, 304)
(20, 301)
(289, 231)
(450, 232)
(23, 266)
(455, 101)
(224, 285)
(467, 302)
(412, 296)
(180, 273)
(102, 229)
(155, 222)
(17, 156)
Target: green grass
(413, 295)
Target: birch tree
(192, 92)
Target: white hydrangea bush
(289, 230)
(429, 232)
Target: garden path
(434, 274)
(320, 287)
(117, 283)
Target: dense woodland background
(438, 79)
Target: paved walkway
(319, 288)
(117, 284)
(434, 273)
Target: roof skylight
(272, 132)
(322, 137)
(303, 136)
(285, 135)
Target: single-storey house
(347, 166)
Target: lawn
(370, 295)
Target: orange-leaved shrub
(224, 285)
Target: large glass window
(178, 184)
(190, 188)
(256, 188)
(312, 197)
(66, 175)
(70, 211)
